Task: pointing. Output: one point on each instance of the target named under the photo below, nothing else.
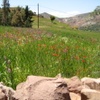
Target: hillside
(83, 21)
(78, 19)
(53, 48)
(88, 21)
(47, 16)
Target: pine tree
(26, 12)
(5, 13)
(28, 17)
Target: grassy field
(52, 49)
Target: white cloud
(62, 15)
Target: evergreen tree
(28, 17)
(0, 16)
(5, 12)
(26, 12)
(15, 16)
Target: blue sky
(60, 8)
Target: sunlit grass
(52, 49)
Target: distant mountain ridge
(47, 15)
(83, 21)
(87, 21)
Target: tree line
(15, 16)
(96, 11)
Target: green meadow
(53, 48)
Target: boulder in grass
(42, 88)
(92, 83)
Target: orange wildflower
(54, 54)
(77, 57)
(83, 61)
(84, 56)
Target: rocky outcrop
(57, 88)
(83, 89)
(86, 21)
(92, 83)
(6, 93)
(42, 88)
(94, 92)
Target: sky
(59, 8)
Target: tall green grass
(52, 49)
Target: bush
(52, 18)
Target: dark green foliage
(52, 18)
(0, 16)
(22, 17)
(28, 22)
(5, 12)
(26, 12)
(16, 16)
(28, 17)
